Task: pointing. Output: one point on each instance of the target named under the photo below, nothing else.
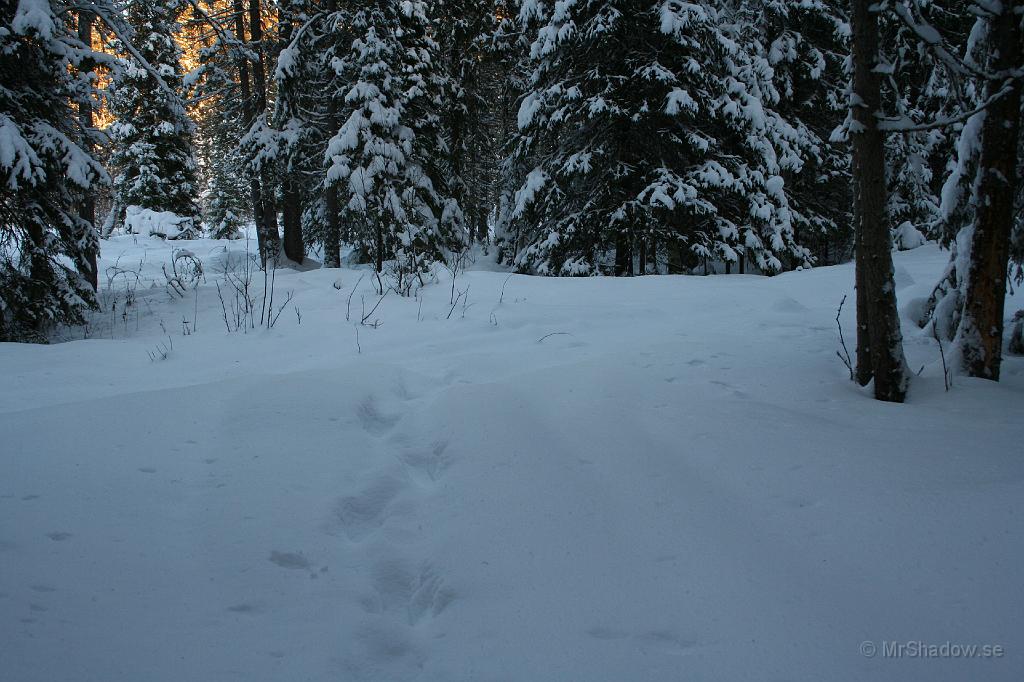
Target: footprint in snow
(292, 560)
(372, 419)
(59, 536)
(431, 463)
(402, 590)
(362, 513)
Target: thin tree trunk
(87, 208)
(981, 326)
(876, 292)
(332, 239)
(379, 258)
(249, 114)
(643, 256)
(623, 255)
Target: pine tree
(153, 157)
(46, 246)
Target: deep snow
(661, 478)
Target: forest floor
(657, 478)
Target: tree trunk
(87, 208)
(332, 238)
(981, 326)
(379, 257)
(876, 292)
(643, 256)
(294, 245)
(249, 113)
(271, 237)
(623, 255)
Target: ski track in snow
(651, 480)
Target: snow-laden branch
(905, 125)
(107, 15)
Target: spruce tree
(387, 157)
(46, 171)
(651, 125)
(153, 156)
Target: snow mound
(164, 224)
(908, 237)
(788, 305)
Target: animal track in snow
(431, 463)
(372, 419)
(400, 589)
(362, 513)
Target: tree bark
(878, 323)
(981, 326)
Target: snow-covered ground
(660, 478)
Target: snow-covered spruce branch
(893, 125)
(124, 34)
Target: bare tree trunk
(87, 208)
(876, 290)
(981, 326)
